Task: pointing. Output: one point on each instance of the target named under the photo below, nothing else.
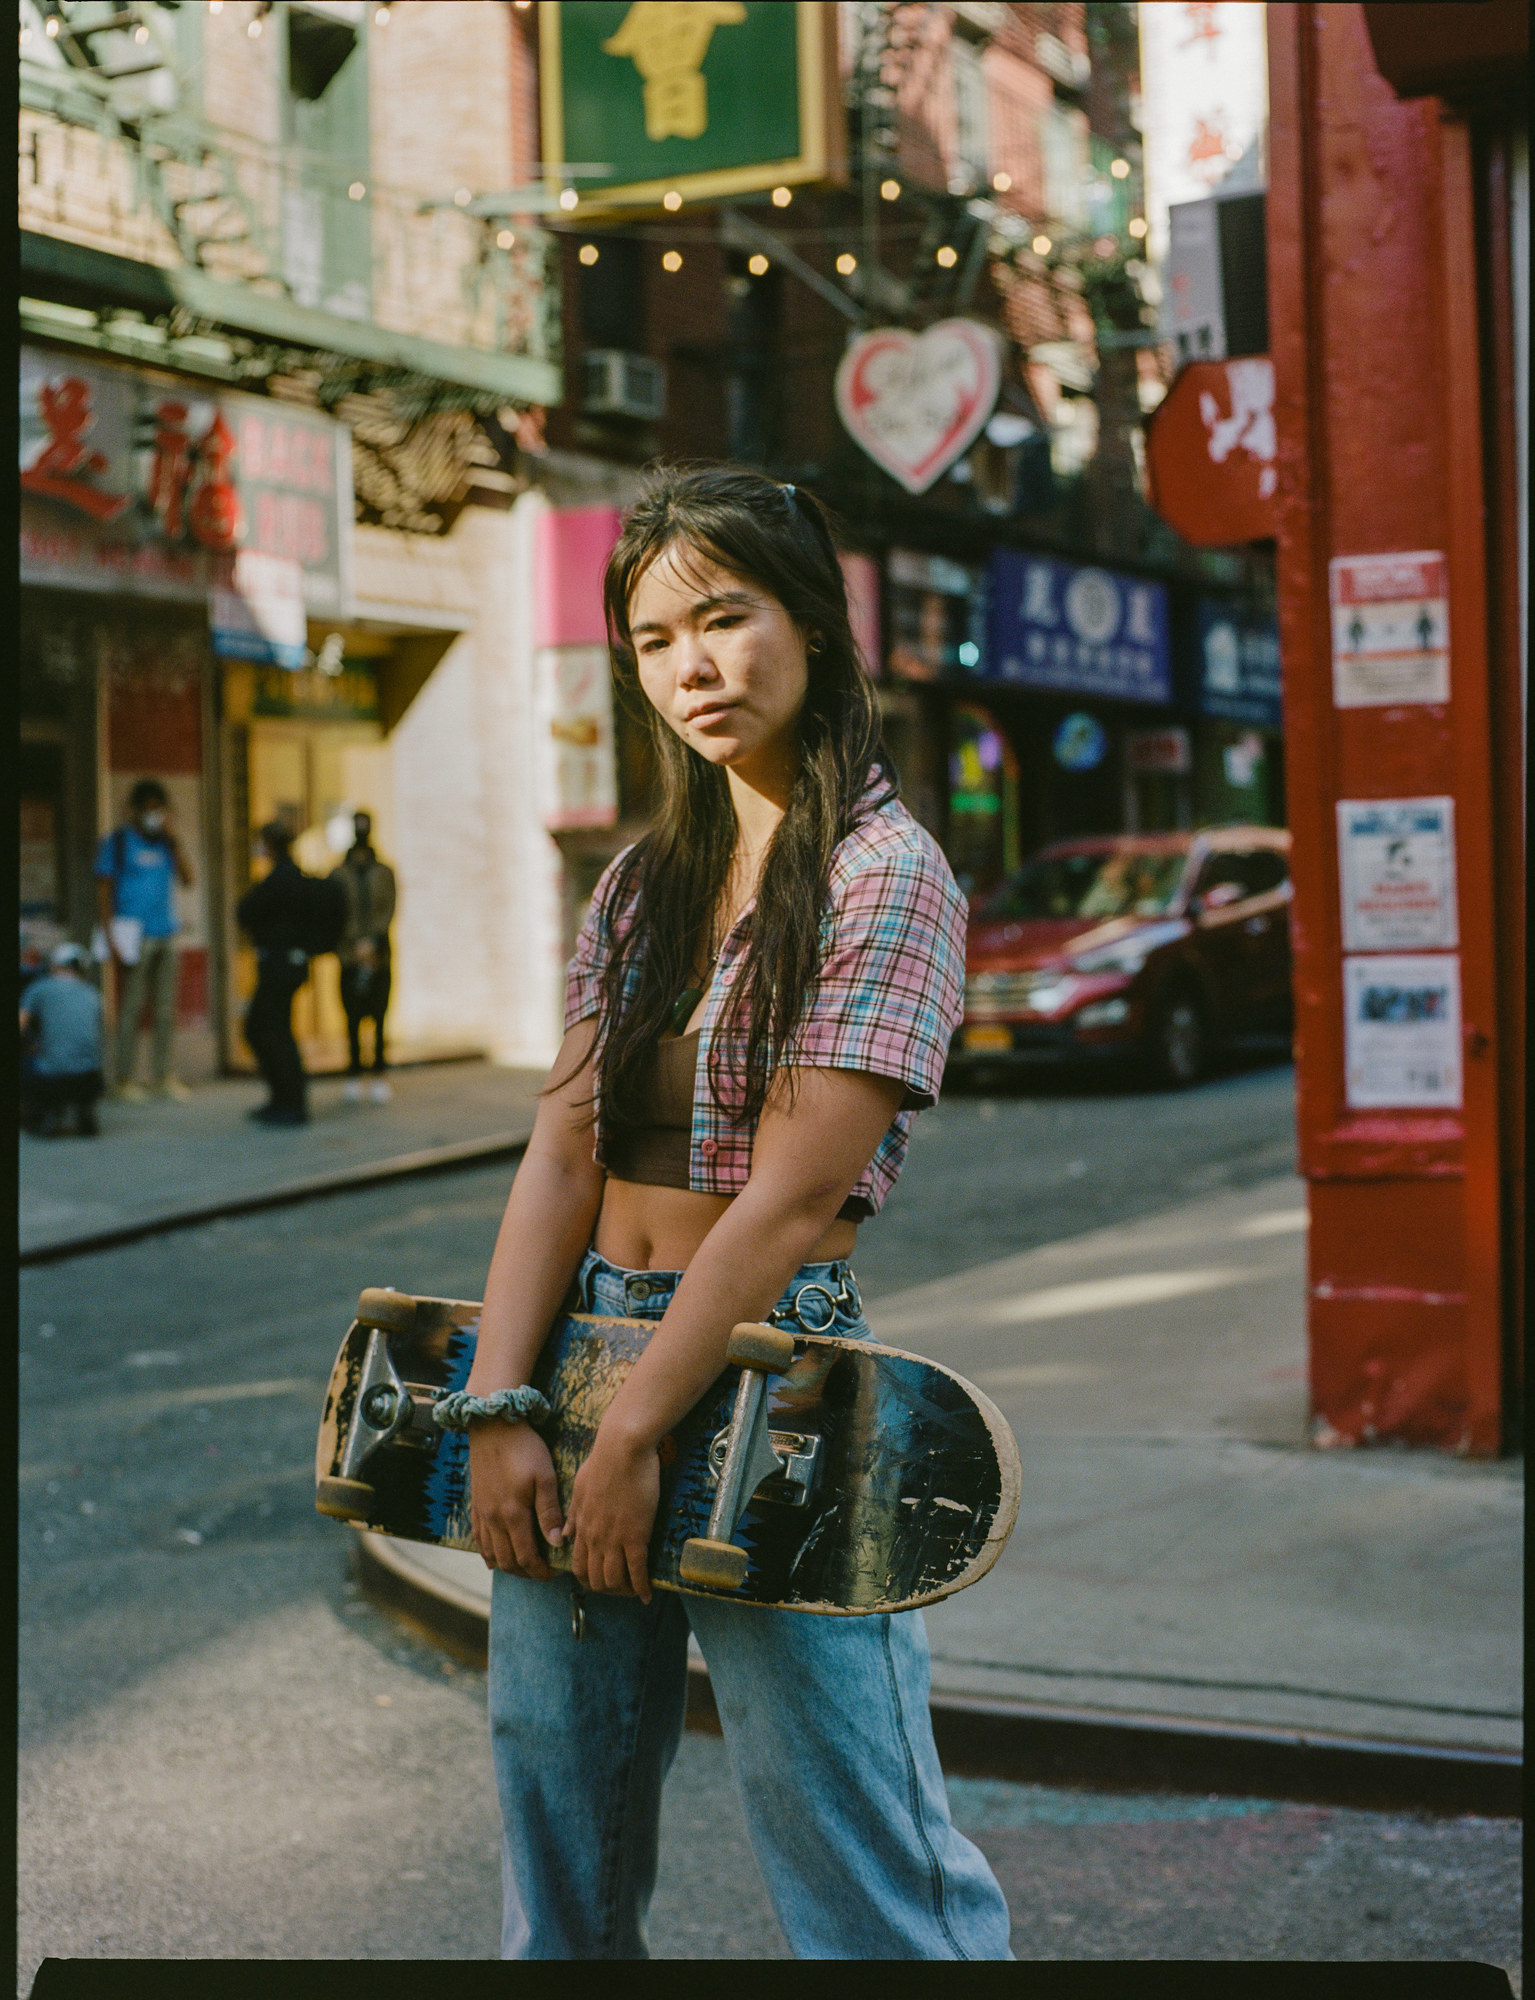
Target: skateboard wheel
(343, 1499)
(720, 1565)
(765, 1347)
(390, 1312)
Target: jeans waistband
(819, 1298)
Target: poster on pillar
(1390, 629)
(1396, 861)
(1401, 1032)
(578, 776)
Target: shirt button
(709, 1148)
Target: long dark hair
(780, 539)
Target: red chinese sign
(155, 486)
(1210, 453)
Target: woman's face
(722, 661)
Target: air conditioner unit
(618, 384)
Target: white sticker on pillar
(1396, 866)
(578, 777)
(1401, 1032)
(1390, 629)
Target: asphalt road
(227, 1751)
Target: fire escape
(435, 413)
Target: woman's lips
(702, 717)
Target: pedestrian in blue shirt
(61, 1031)
(137, 868)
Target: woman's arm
(548, 1223)
(808, 1152)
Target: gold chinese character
(668, 40)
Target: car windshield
(1099, 886)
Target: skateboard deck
(856, 1478)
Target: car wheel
(1177, 1041)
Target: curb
(1038, 1744)
(373, 1173)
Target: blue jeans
(825, 1721)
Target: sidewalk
(160, 1163)
(1183, 1558)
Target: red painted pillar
(1380, 407)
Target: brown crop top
(657, 1152)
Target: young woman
(762, 996)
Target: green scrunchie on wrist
(458, 1409)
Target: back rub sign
(916, 401)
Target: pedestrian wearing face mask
(138, 866)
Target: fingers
(639, 1574)
(547, 1506)
(525, 1547)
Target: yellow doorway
(312, 773)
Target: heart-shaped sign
(915, 401)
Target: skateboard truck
(385, 1407)
(749, 1458)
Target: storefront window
(983, 800)
(933, 606)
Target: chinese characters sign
(1239, 665)
(1210, 451)
(707, 97)
(159, 487)
(1204, 91)
(1077, 630)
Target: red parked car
(1152, 946)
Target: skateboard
(818, 1474)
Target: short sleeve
(891, 990)
(583, 976)
(106, 860)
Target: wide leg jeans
(825, 1722)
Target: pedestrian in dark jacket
(364, 954)
(272, 912)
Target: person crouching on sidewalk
(62, 1010)
(272, 913)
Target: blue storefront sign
(1075, 629)
(1238, 665)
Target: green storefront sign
(704, 97)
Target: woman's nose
(696, 666)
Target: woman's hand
(612, 1510)
(513, 1494)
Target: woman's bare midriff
(644, 1228)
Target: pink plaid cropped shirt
(888, 999)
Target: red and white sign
(151, 484)
(915, 401)
(1165, 750)
(574, 700)
(1390, 629)
(1210, 450)
(1204, 101)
